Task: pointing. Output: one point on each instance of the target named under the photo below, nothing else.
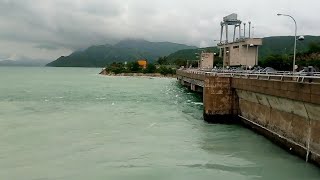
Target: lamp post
(295, 41)
(253, 31)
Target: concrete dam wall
(286, 112)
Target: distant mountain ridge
(126, 50)
(271, 45)
(25, 62)
(131, 50)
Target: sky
(48, 29)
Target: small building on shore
(143, 63)
(206, 60)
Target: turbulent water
(72, 124)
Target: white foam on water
(151, 125)
(101, 98)
(197, 103)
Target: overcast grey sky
(47, 29)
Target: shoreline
(155, 75)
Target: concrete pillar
(221, 33)
(219, 100)
(257, 55)
(182, 82)
(244, 30)
(193, 87)
(234, 33)
(249, 29)
(227, 33)
(239, 31)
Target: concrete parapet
(219, 100)
(306, 92)
(191, 74)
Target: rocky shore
(104, 72)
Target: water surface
(72, 124)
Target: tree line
(134, 67)
(284, 62)
(165, 66)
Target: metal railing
(276, 76)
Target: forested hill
(271, 46)
(284, 45)
(127, 50)
(132, 50)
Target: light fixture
(295, 41)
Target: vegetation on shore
(218, 61)
(311, 57)
(276, 52)
(133, 67)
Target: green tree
(278, 62)
(151, 68)
(218, 61)
(314, 47)
(162, 60)
(135, 67)
(165, 71)
(180, 62)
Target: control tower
(242, 50)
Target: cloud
(50, 28)
(47, 46)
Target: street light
(253, 31)
(295, 41)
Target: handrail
(276, 76)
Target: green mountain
(271, 45)
(284, 45)
(127, 50)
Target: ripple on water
(97, 127)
